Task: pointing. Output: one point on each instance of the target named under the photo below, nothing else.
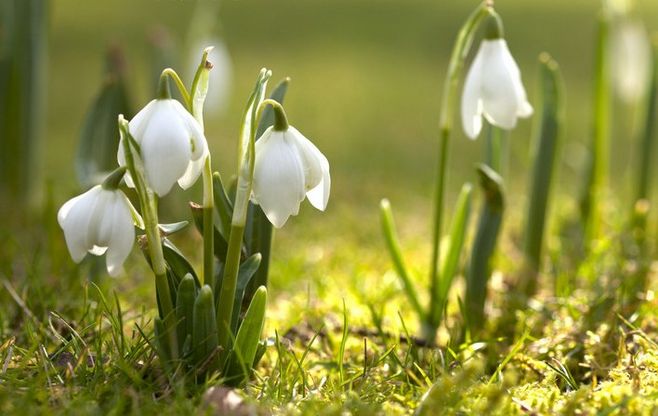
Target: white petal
(523, 107)
(74, 217)
(631, 59)
(471, 104)
(137, 126)
(319, 196)
(311, 157)
(499, 97)
(121, 158)
(192, 173)
(197, 139)
(166, 151)
(122, 237)
(278, 177)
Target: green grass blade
(241, 359)
(484, 245)
(546, 143)
(393, 246)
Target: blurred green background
(366, 81)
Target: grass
(73, 341)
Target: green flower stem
(111, 183)
(148, 203)
(195, 101)
(208, 226)
(448, 103)
(229, 285)
(280, 118)
(168, 72)
(246, 159)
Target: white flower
(631, 59)
(289, 167)
(493, 88)
(97, 221)
(172, 145)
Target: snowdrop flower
(493, 87)
(288, 168)
(99, 221)
(173, 146)
(631, 59)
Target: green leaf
(238, 366)
(223, 205)
(220, 246)
(247, 270)
(185, 308)
(484, 245)
(451, 261)
(646, 149)
(98, 145)
(23, 50)
(177, 263)
(393, 246)
(546, 142)
(204, 331)
(161, 340)
(169, 229)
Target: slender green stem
(229, 285)
(280, 118)
(149, 206)
(179, 85)
(448, 102)
(208, 226)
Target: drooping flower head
(288, 168)
(173, 146)
(99, 221)
(493, 86)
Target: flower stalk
(247, 155)
(448, 104)
(195, 103)
(149, 209)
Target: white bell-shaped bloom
(493, 89)
(289, 167)
(98, 221)
(172, 143)
(630, 59)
